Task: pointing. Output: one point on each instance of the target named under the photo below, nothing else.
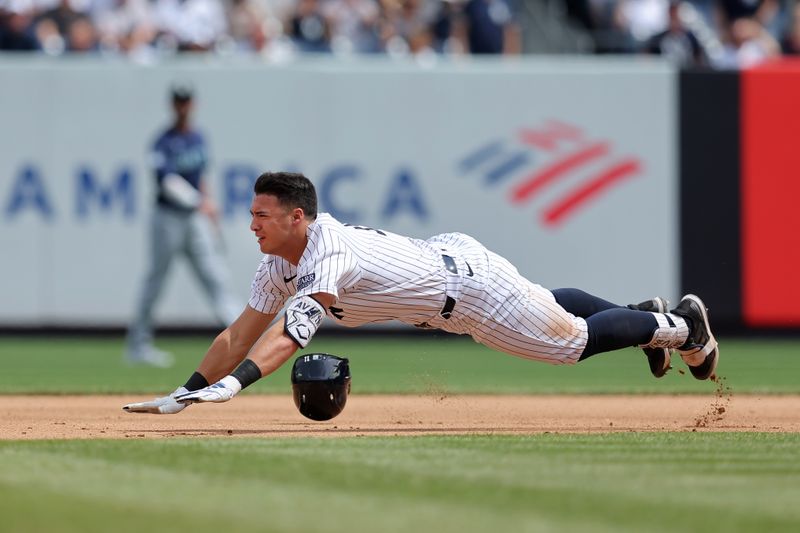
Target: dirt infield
(91, 417)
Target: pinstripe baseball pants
(503, 310)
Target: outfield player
(357, 275)
(182, 224)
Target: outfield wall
(566, 167)
(739, 189)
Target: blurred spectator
(644, 18)
(770, 14)
(190, 25)
(443, 28)
(52, 26)
(750, 43)
(626, 26)
(354, 25)
(308, 28)
(125, 26)
(16, 26)
(249, 25)
(790, 43)
(81, 36)
(489, 27)
(63, 13)
(407, 27)
(677, 43)
(699, 32)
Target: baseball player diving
(357, 275)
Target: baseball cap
(181, 93)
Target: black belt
(449, 303)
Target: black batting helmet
(320, 384)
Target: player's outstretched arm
(227, 351)
(269, 352)
(233, 344)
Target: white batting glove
(221, 391)
(166, 405)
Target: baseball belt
(449, 302)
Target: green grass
(590, 483)
(394, 365)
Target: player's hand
(221, 391)
(166, 405)
(209, 209)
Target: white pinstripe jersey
(377, 276)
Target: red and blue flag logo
(557, 157)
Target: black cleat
(658, 358)
(701, 351)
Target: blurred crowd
(145, 29)
(719, 33)
(716, 33)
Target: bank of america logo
(556, 168)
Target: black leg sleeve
(618, 328)
(581, 303)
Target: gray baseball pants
(172, 233)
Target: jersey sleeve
(331, 267)
(265, 297)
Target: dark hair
(291, 189)
(181, 93)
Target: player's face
(273, 225)
(182, 109)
